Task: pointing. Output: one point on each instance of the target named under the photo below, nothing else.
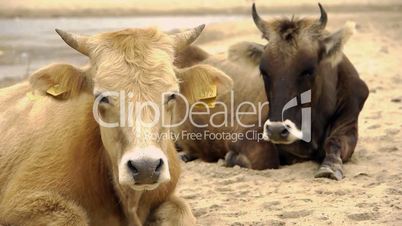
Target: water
(28, 26)
(27, 44)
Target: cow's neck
(324, 104)
(130, 202)
(129, 198)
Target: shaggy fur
(59, 167)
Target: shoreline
(135, 12)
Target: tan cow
(60, 167)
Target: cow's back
(14, 104)
(247, 82)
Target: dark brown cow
(309, 82)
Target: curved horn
(76, 42)
(322, 22)
(259, 22)
(185, 38)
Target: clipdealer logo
(286, 126)
(131, 114)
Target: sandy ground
(371, 193)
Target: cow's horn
(259, 22)
(322, 22)
(185, 38)
(77, 42)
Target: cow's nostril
(131, 166)
(284, 133)
(159, 166)
(269, 131)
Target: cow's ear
(203, 82)
(332, 45)
(62, 80)
(246, 52)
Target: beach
(370, 193)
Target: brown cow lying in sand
(241, 64)
(60, 167)
(315, 93)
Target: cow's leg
(173, 212)
(254, 155)
(235, 159)
(185, 153)
(187, 157)
(343, 133)
(41, 208)
(332, 166)
(338, 148)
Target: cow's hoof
(234, 159)
(230, 159)
(327, 172)
(187, 157)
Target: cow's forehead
(288, 60)
(303, 44)
(136, 39)
(287, 54)
(134, 59)
(289, 36)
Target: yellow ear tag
(32, 96)
(205, 93)
(200, 89)
(210, 102)
(56, 90)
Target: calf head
(299, 58)
(135, 85)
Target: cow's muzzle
(144, 168)
(281, 132)
(145, 171)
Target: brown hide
(248, 86)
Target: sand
(371, 192)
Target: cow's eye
(170, 97)
(102, 99)
(309, 72)
(263, 72)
